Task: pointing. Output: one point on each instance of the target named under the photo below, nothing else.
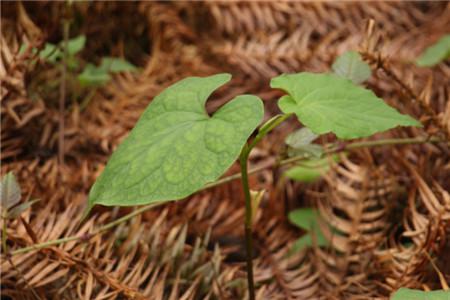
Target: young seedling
(54, 53)
(176, 148)
(91, 75)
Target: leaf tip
(275, 81)
(86, 212)
(223, 77)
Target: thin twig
(86, 236)
(62, 92)
(330, 149)
(442, 279)
(381, 63)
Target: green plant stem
(88, 236)
(267, 127)
(87, 99)
(387, 142)
(330, 149)
(243, 159)
(248, 221)
(46, 244)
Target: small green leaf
(50, 53)
(410, 294)
(308, 220)
(351, 66)
(299, 138)
(75, 45)
(307, 241)
(176, 147)
(96, 76)
(24, 47)
(19, 209)
(93, 76)
(436, 53)
(53, 53)
(310, 170)
(299, 142)
(311, 150)
(116, 65)
(328, 103)
(9, 191)
(305, 218)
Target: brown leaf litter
(386, 210)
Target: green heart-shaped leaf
(175, 147)
(329, 103)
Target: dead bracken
(383, 203)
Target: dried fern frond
(136, 261)
(355, 207)
(290, 37)
(281, 273)
(426, 225)
(249, 18)
(266, 56)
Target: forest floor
(390, 204)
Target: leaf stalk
(243, 159)
(248, 220)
